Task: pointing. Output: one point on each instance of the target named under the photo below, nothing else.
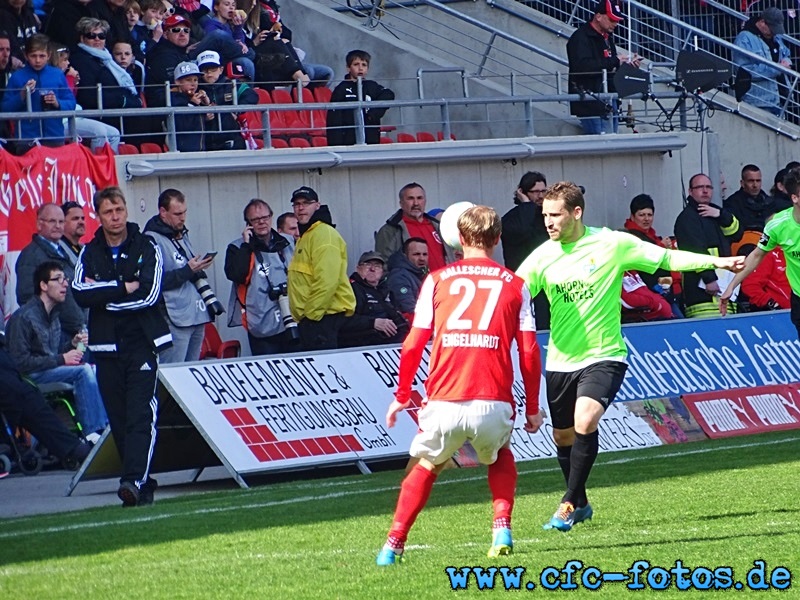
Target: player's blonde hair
(567, 191)
(480, 227)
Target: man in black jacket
(750, 204)
(590, 51)
(376, 320)
(704, 228)
(119, 280)
(524, 231)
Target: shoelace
(565, 509)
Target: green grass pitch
(710, 504)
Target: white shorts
(445, 426)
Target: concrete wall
(395, 61)
(740, 141)
(361, 199)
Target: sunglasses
(180, 30)
(95, 36)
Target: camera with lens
(279, 293)
(213, 305)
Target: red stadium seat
(425, 136)
(214, 347)
(385, 139)
(297, 142)
(150, 148)
(440, 136)
(279, 143)
(313, 119)
(318, 141)
(322, 94)
(291, 117)
(405, 138)
(128, 149)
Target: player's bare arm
(748, 266)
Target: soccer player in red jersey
(474, 308)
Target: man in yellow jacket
(320, 294)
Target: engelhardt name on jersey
(470, 340)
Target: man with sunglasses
(174, 48)
(320, 294)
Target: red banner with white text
(44, 175)
(747, 410)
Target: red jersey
(426, 231)
(475, 309)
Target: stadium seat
(385, 139)
(322, 94)
(214, 347)
(291, 118)
(279, 143)
(128, 149)
(405, 138)
(425, 136)
(318, 141)
(313, 120)
(440, 136)
(277, 120)
(298, 142)
(150, 148)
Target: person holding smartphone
(187, 311)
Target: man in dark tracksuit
(118, 278)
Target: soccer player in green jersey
(580, 269)
(784, 231)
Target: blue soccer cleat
(582, 514)
(502, 544)
(563, 519)
(388, 557)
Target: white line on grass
(328, 496)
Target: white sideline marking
(298, 500)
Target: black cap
(305, 192)
(773, 17)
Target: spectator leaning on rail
(42, 353)
(257, 266)
(119, 279)
(320, 294)
(48, 91)
(762, 36)
(187, 313)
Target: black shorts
(795, 312)
(600, 381)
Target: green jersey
(784, 231)
(583, 281)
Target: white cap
(208, 58)
(185, 69)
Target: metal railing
(522, 119)
(660, 37)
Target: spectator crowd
(129, 54)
